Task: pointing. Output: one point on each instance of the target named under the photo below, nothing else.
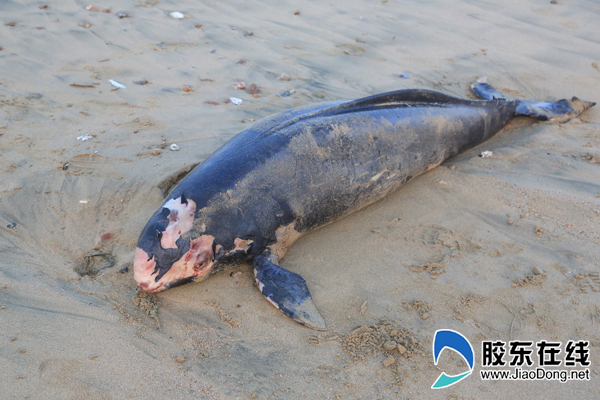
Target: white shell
(236, 101)
(174, 147)
(117, 84)
(487, 154)
(83, 138)
(177, 15)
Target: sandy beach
(502, 248)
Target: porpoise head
(167, 255)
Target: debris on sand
(146, 302)
(385, 341)
(377, 339)
(79, 85)
(252, 89)
(236, 101)
(98, 9)
(117, 84)
(536, 278)
(363, 308)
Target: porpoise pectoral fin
(287, 291)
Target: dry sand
(69, 331)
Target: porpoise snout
(143, 272)
(194, 265)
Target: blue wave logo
(449, 339)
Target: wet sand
(501, 248)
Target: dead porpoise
(301, 169)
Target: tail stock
(559, 111)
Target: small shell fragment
(83, 138)
(363, 308)
(536, 271)
(97, 9)
(117, 84)
(174, 147)
(84, 201)
(284, 77)
(177, 15)
(236, 101)
(252, 89)
(486, 154)
(240, 85)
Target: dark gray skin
(301, 169)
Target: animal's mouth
(193, 266)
